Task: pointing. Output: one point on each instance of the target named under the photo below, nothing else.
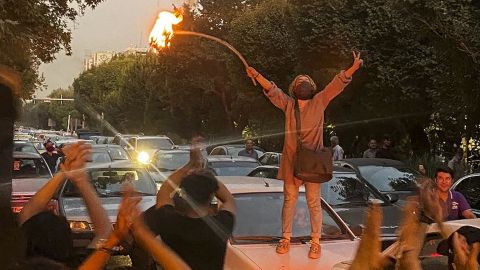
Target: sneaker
(283, 246)
(315, 251)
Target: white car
(429, 256)
(258, 229)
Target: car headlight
(143, 157)
(80, 226)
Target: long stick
(223, 42)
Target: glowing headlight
(80, 226)
(143, 157)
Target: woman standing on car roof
(312, 105)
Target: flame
(162, 31)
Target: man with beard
(311, 105)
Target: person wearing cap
(459, 244)
(454, 204)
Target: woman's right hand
(252, 73)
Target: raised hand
(128, 212)
(76, 156)
(357, 61)
(465, 256)
(196, 158)
(368, 253)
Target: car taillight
(52, 206)
(436, 255)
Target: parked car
(122, 139)
(430, 258)
(469, 186)
(232, 150)
(231, 165)
(258, 229)
(350, 196)
(107, 153)
(30, 173)
(108, 182)
(271, 158)
(24, 146)
(390, 177)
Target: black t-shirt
(51, 160)
(193, 239)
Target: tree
(32, 32)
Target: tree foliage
(32, 32)
(420, 82)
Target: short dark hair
(48, 235)
(200, 186)
(444, 170)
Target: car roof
(122, 164)
(95, 146)
(22, 142)
(246, 184)
(152, 137)
(372, 161)
(229, 158)
(336, 169)
(453, 225)
(26, 155)
(172, 151)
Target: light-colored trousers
(312, 190)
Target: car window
(264, 208)
(171, 161)
(30, 168)
(264, 173)
(118, 153)
(109, 182)
(389, 179)
(347, 189)
(273, 160)
(24, 147)
(263, 159)
(101, 157)
(470, 188)
(218, 151)
(228, 168)
(154, 143)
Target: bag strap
(298, 124)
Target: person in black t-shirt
(50, 156)
(186, 223)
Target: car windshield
(154, 143)
(30, 168)
(346, 189)
(229, 168)
(265, 208)
(24, 147)
(101, 157)
(171, 161)
(118, 153)
(389, 179)
(108, 182)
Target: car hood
(27, 186)
(263, 256)
(75, 209)
(355, 215)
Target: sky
(114, 25)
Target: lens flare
(143, 157)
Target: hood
(27, 186)
(355, 216)
(263, 256)
(75, 209)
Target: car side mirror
(393, 198)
